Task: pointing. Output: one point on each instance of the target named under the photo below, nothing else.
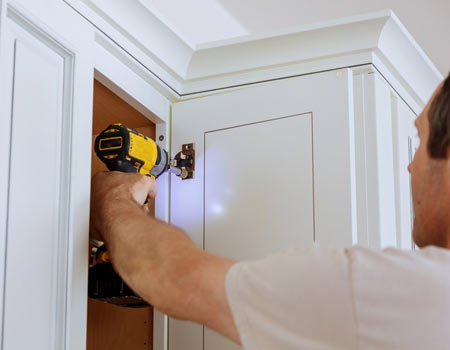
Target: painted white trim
(360, 158)
(138, 34)
(403, 130)
(109, 57)
(162, 212)
(2, 17)
(127, 79)
(378, 38)
(310, 42)
(5, 145)
(130, 85)
(106, 48)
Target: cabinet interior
(111, 327)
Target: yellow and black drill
(124, 149)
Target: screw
(161, 137)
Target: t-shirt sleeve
(297, 299)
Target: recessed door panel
(251, 173)
(258, 192)
(34, 195)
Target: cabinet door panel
(251, 172)
(274, 170)
(45, 102)
(34, 195)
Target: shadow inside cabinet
(111, 327)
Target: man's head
(430, 172)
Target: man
(312, 298)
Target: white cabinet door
(274, 170)
(46, 98)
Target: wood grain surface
(109, 108)
(112, 327)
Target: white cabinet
(273, 171)
(304, 144)
(45, 91)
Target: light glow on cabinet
(268, 164)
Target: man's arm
(159, 261)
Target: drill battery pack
(106, 285)
(104, 282)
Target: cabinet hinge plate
(185, 161)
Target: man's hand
(114, 186)
(159, 261)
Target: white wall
(200, 21)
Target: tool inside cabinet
(111, 327)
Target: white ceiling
(202, 21)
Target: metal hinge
(185, 161)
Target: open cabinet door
(274, 170)
(46, 108)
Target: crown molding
(376, 38)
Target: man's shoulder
(391, 287)
(427, 257)
(388, 270)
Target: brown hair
(439, 119)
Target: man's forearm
(152, 257)
(158, 261)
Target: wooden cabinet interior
(111, 327)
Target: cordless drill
(124, 149)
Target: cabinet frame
(127, 81)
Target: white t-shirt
(348, 299)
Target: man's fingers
(151, 186)
(139, 187)
(143, 188)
